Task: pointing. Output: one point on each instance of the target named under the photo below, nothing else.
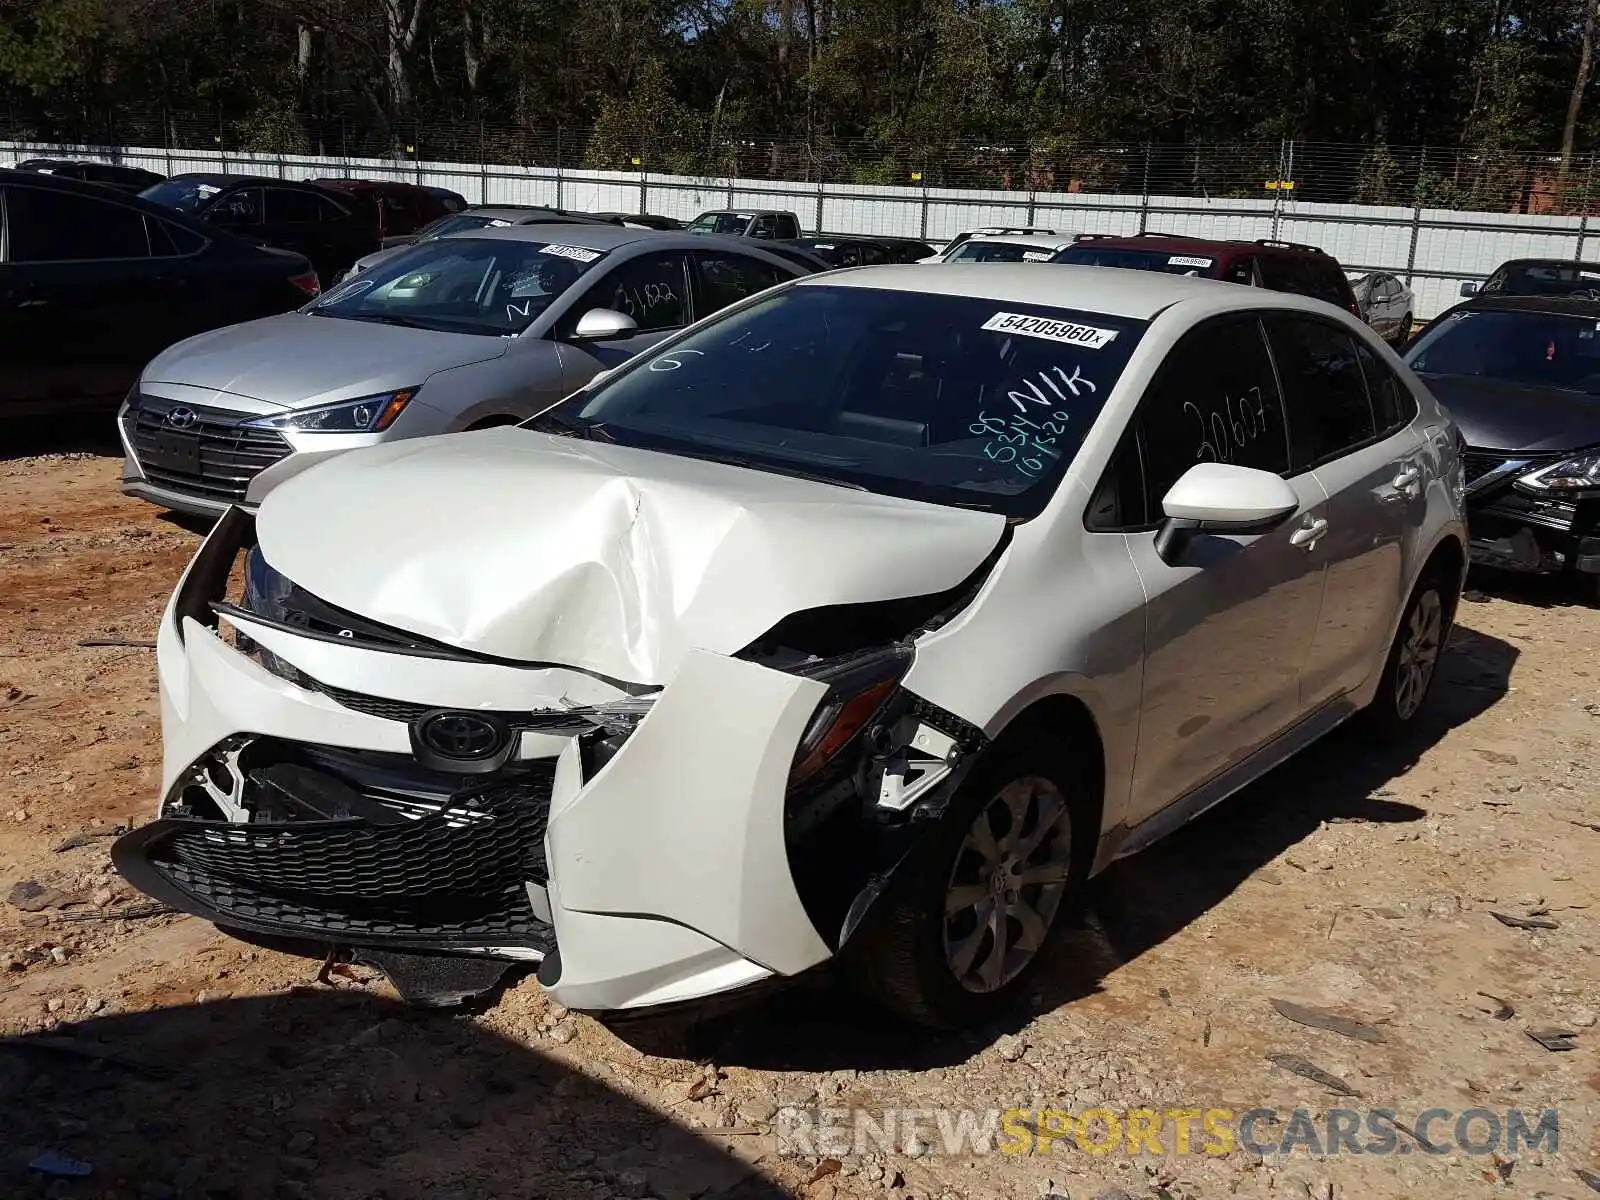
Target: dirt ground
(167, 1060)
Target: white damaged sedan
(863, 621)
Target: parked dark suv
(1277, 266)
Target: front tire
(965, 926)
(1413, 661)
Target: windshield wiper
(778, 467)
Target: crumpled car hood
(614, 560)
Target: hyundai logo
(182, 418)
(461, 736)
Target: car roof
(222, 181)
(1575, 306)
(1052, 241)
(512, 212)
(1137, 295)
(600, 237)
(1158, 242)
(1548, 262)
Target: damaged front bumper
(646, 862)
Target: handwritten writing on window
(1228, 427)
(1027, 437)
(644, 298)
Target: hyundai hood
(614, 560)
(299, 360)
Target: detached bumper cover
(1514, 530)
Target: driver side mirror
(604, 324)
(1221, 498)
(1469, 289)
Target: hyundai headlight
(370, 414)
(1577, 474)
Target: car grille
(452, 877)
(230, 454)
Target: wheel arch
(1065, 718)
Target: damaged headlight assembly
(858, 688)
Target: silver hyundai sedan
(481, 328)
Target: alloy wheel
(1419, 654)
(1007, 884)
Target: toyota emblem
(461, 736)
(182, 418)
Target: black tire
(1424, 629)
(899, 958)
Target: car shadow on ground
(74, 433)
(1516, 587)
(1139, 902)
(329, 1094)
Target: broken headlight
(1580, 473)
(858, 688)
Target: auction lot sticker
(1087, 336)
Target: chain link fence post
(1583, 223)
(1416, 215)
(1144, 192)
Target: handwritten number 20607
(1228, 429)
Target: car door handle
(1405, 484)
(1310, 533)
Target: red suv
(1280, 266)
(400, 207)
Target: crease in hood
(615, 560)
(297, 360)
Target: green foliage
(1039, 94)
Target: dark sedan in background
(1521, 377)
(329, 227)
(111, 175)
(94, 284)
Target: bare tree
(1580, 83)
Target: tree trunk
(1569, 131)
(403, 23)
(470, 47)
(302, 58)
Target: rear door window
(788, 227)
(287, 207)
(50, 226)
(1393, 405)
(1324, 389)
(723, 279)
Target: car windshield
(185, 195)
(462, 285)
(1544, 349)
(948, 399)
(1545, 279)
(1170, 262)
(1007, 252)
(718, 223)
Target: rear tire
(966, 924)
(1413, 661)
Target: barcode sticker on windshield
(576, 253)
(1188, 260)
(1037, 255)
(1086, 336)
